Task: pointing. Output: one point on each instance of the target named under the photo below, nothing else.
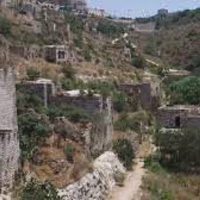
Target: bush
(119, 101)
(125, 152)
(68, 71)
(138, 61)
(69, 152)
(5, 26)
(32, 128)
(33, 73)
(39, 191)
(185, 91)
(179, 149)
(72, 113)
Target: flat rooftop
(189, 108)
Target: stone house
(9, 140)
(56, 53)
(178, 116)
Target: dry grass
(168, 186)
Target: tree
(125, 152)
(185, 91)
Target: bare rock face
(95, 185)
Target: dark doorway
(177, 122)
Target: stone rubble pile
(95, 185)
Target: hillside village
(92, 104)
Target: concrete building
(179, 116)
(9, 140)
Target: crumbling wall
(141, 93)
(99, 138)
(96, 185)
(9, 143)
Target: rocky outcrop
(96, 185)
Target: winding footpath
(131, 189)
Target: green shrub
(125, 152)
(72, 113)
(69, 152)
(32, 129)
(185, 91)
(119, 101)
(33, 73)
(39, 191)
(68, 71)
(138, 61)
(179, 149)
(5, 26)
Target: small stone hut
(179, 116)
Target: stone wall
(141, 93)
(98, 184)
(9, 143)
(99, 138)
(178, 117)
(44, 90)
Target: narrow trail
(131, 189)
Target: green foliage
(110, 28)
(32, 129)
(5, 26)
(33, 73)
(87, 55)
(72, 113)
(27, 100)
(179, 149)
(124, 150)
(68, 71)
(138, 61)
(185, 91)
(119, 101)
(39, 191)
(69, 152)
(75, 22)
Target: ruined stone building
(179, 116)
(141, 93)
(44, 88)
(56, 53)
(9, 141)
(99, 138)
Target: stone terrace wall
(96, 185)
(9, 144)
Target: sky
(141, 8)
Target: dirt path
(131, 189)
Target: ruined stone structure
(99, 138)
(56, 53)
(9, 141)
(141, 93)
(27, 52)
(43, 88)
(179, 116)
(96, 185)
